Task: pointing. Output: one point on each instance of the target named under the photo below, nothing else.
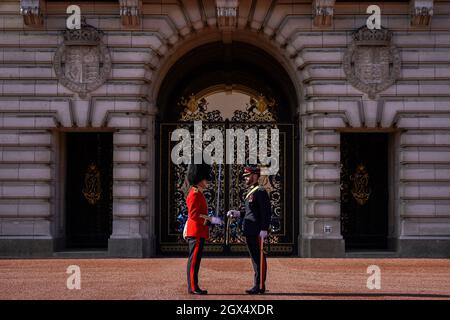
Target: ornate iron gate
(226, 238)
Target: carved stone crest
(82, 63)
(372, 62)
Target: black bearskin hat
(198, 172)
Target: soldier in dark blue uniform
(256, 220)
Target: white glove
(233, 213)
(263, 234)
(216, 220)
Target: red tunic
(196, 205)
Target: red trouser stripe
(194, 263)
(263, 264)
(264, 270)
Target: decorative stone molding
(130, 12)
(421, 12)
(322, 11)
(227, 14)
(82, 63)
(31, 10)
(372, 62)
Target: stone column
(320, 230)
(132, 190)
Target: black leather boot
(199, 291)
(254, 290)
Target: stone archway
(284, 55)
(228, 65)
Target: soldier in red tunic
(197, 229)
(256, 215)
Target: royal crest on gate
(82, 63)
(372, 62)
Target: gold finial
(190, 104)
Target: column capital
(421, 12)
(227, 14)
(323, 11)
(130, 12)
(31, 11)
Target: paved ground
(288, 278)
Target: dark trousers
(193, 265)
(253, 245)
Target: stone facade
(144, 38)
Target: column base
(322, 248)
(424, 248)
(128, 247)
(151, 250)
(26, 248)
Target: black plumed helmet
(198, 172)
